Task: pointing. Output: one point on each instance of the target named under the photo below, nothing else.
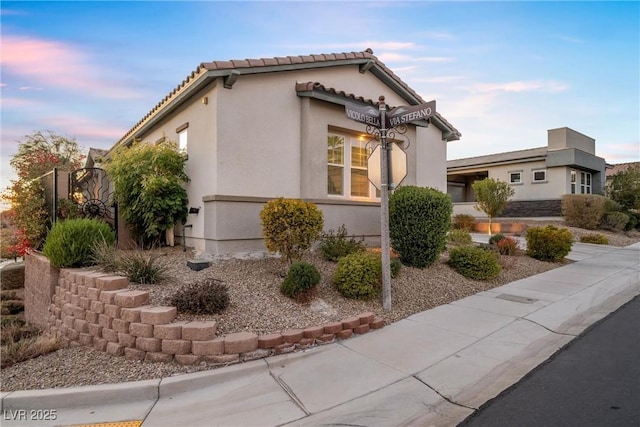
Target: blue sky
(501, 72)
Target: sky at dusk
(502, 73)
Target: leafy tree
(37, 155)
(148, 186)
(625, 188)
(492, 196)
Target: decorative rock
(198, 264)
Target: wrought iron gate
(91, 190)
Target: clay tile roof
(250, 64)
(621, 167)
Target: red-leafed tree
(37, 155)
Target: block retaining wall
(96, 309)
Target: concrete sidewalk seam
(152, 406)
(289, 392)
(443, 396)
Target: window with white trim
(347, 167)
(515, 177)
(573, 181)
(539, 175)
(182, 137)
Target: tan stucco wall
(259, 139)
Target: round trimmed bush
(474, 262)
(290, 226)
(548, 243)
(301, 277)
(419, 220)
(460, 236)
(494, 239)
(70, 243)
(358, 275)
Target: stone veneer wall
(532, 208)
(96, 309)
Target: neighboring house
(258, 129)
(619, 168)
(539, 176)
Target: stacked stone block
(97, 309)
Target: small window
(573, 181)
(515, 177)
(539, 176)
(182, 137)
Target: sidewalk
(433, 368)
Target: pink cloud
(54, 64)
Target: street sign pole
(384, 209)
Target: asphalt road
(593, 381)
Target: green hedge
(70, 243)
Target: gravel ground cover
(258, 306)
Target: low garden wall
(40, 281)
(96, 309)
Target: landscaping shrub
(10, 307)
(583, 210)
(634, 220)
(463, 222)
(419, 220)
(395, 267)
(474, 262)
(106, 256)
(301, 278)
(8, 240)
(12, 276)
(27, 348)
(460, 236)
(70, 242)
(595, 238)
(508, 246)
(142, 266)
(614, 221)
(548, 243)
(493, 240)
(290, 226)
(335, 245)
(207, 297)
(359, 275)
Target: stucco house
(540, 176)
(257, 129)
